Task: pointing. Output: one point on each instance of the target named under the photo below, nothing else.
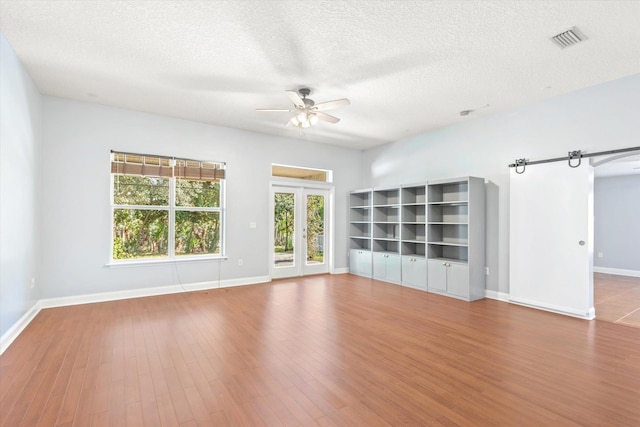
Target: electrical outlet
(33, 282)
(599, 254)
(240, 262)
(486, 271)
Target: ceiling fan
(307, 112)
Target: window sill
(147, 262)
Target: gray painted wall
(593, 119)
(20, 146)
(617, 222)
(76, 226)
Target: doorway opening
(616, 254)
(300, 231)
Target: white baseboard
(589, 314)
(147, 292)
(616, 271)
(14, 331)
(343, 270)
(500, 296)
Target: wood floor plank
(329, 350)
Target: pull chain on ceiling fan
(307, 112)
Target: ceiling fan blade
(329, 105)
(295, 98)
(273, 109)
(327, 117)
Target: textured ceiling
(408, 67)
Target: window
(165, 207)
(283, 171)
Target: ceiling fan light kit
(307, 112)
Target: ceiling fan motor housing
(304, 92)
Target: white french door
(299, 230)
(551, 238)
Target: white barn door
(551, 238)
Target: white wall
(76, 223)
(20, 146)
(617, 222)
(593, 119)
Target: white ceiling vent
(568, 38)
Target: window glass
(197, 233)
(140, 190)
(140, 233)
(197, 193)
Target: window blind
(150, 165)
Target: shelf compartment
(456, 214)
(414, 195)
(414, 232)
(413, 249)
(360, 214)
(359, 243)
(386, 231)
(449, 192)
(360, 199)
(450, 253)
(455, 234)
(390, 246)
(386, 197)
(360, 229)
(413, 213)
(386, 214)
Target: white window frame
(171, 208)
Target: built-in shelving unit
(426, 236)
(413, 234)
(360, 232)
(386, 234)
(455, 229)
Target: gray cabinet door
(379, 266)
(414, 272)
(360, 262)
(393, 268)
(458, 280)
(365, 263)
(437, 275)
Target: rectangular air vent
(568, 38)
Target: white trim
(146, 262)
(589, 315)
(616, 271)
(342, 270)
(497, 295)
(16, 329)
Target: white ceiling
(408, 67)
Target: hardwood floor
(318, 351)
(617, 299)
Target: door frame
(301, 185)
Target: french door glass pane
(315, 229)
(284, 208)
